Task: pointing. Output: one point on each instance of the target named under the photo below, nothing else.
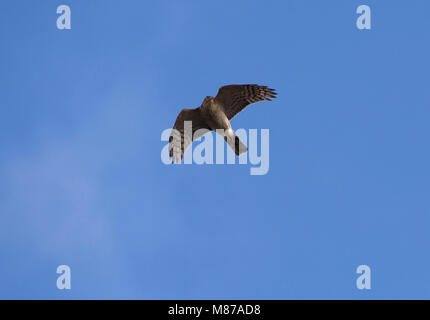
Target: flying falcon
(214, 114)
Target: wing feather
(181, 137)
(234, 98)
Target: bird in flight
(215, 114)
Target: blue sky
(82, 183)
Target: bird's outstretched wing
(234, 98)
(179, 141)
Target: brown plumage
(216, 113)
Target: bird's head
(207, 99)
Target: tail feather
(237, 145)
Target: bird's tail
(234, 142)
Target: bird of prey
(213, 114)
